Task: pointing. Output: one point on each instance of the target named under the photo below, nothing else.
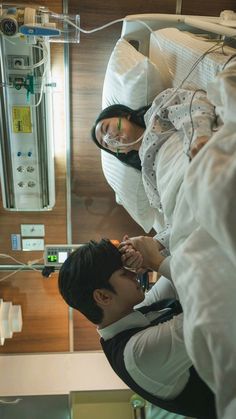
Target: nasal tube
(134, 142)
(115, 143)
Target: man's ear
(128, 116)
(102, 296)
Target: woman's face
(111, 133)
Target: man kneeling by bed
(141, 336)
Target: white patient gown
(199, 202)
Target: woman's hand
(141, 253)
(132, 259)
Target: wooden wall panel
(45, 315)
(86, 337)
(209, 8)
(54, 5)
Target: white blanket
(203, 248)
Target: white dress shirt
(156, 357)
(164, 269)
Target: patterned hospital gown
(187, 111)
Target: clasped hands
(141, 253)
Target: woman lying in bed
(137, 136)
(198, 200)
(120, 130)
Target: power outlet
(32, 244)
(32, 230)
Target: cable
(4, 255)
(211, 49)
(30, 263)
(44, 60)
(115, 142)
(23, 265)
(12, 273)
(112, 23)
(191, 121)
(96, 29)
(41, 89)
(157, 41)
(229, 60)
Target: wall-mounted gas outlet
(17, 61)
(32, 244)
(32, 230)
(15, 241)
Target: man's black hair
(137, 116)
(86, 269)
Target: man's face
(128, 290)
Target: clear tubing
(115, 142)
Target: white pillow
(133, 80)
(128, 187)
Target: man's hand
(141, 253)
(197, 145)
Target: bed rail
(136, 30)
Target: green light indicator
(52, 258)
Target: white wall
(58, 373)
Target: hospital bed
(203, 226)
(137, 71)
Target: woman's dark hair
(86, 269)
(136, 116)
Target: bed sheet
(182, 50)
